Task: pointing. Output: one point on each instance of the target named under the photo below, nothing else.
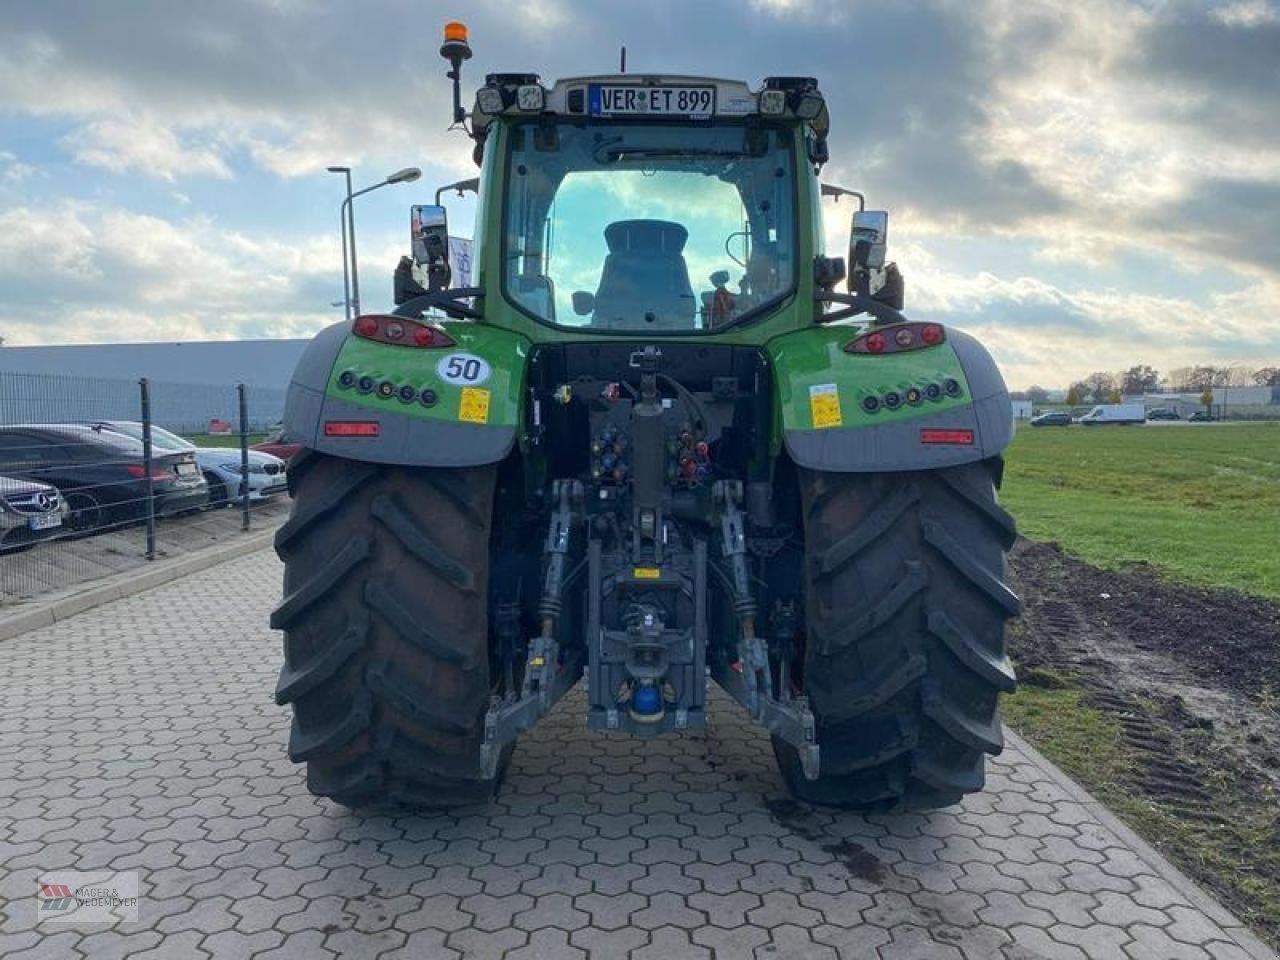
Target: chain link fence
(101, 476)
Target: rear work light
(897, 338)
(400, 331)
(933, 435)
(351, 428)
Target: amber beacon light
(455, 49)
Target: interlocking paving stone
(142, 736)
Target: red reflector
(897, 338)
(431, 337)
(350, 428)
(400, 331)
(946, 436)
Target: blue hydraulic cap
(646, 700)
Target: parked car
(1115, 414)
(279, 444)
(1201, 416)
(1163, 413)
(29, 511)
(99, 473)
(221, 466)
(1054, 418)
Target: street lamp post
(407, 175)
(346, 277)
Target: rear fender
(469, 416)
(821, 391)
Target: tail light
(898, 338)
(934, 435)
(351, 428)
(139, 471)
(400, 331)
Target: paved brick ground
(142, 736)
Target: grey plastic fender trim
(402, 439)
(897, 446)
(409, 441)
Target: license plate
(187, 470)
(607, 100)
(46, 522)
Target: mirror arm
(836, 192)
(447, 300)
(462, 186)
(856, 303)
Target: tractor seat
(645, 276)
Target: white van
(1115, 413)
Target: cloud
(145, 146)
(1235, 219)
(75, 273)
(1070, 139)
(1247, 13)
(13, 171)
(1045, 333)
(51, 242)
(1219, 68)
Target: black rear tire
(904, 658)
(385, 614)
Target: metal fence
(101, 476)
(181, 407)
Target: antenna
(624, 59)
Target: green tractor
(649, 445)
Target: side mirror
(429, 233)
(583, 302)
(868, 239)
(429, 237)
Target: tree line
(1105, 387)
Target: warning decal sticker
(473, 406)
(824, 405)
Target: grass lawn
(1199, 503)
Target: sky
(1084, 186)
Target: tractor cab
(648, 204)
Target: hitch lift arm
(546, 679)
(749, 680)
